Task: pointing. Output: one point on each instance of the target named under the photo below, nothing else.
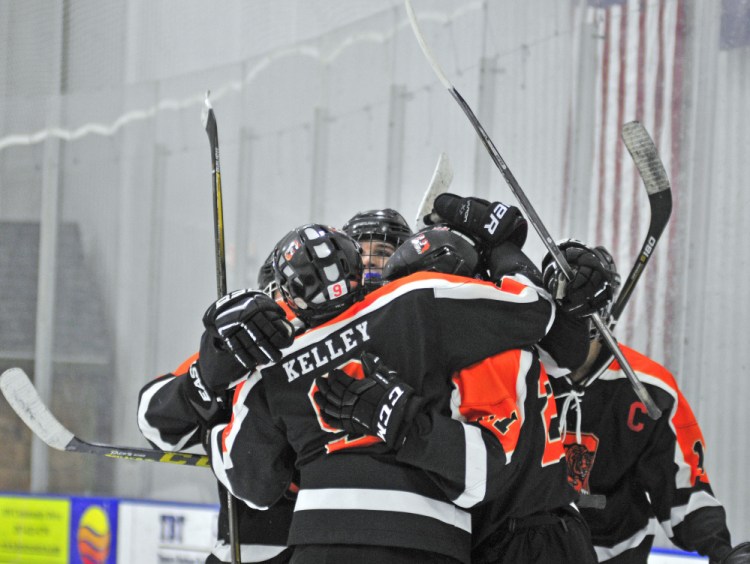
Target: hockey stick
(23, 397)
(441, 180)
(209, 123)
(653, 411)
(649, 165)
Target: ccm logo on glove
(385, 412)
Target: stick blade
(25, 401)
(439, 184)
(646, 157)
(208, 119)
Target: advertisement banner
(165, 533)
(93, 531)
(34, 530)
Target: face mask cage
(376, 250)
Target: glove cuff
(207, 406)
(412, 407)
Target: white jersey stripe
(475, 483)
(382, 500)
(248, 552)
(151, 433)
(604, 553)
(444, 289)
(677, 515)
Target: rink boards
(95, 530)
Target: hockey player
(359, 500)
(175, 412)
(168, 405)
(650, 472)
(514, 524)
(379, 233)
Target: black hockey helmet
(614, 279)
(379, 233)
(319, 272)
(437, 248)
(385, 225)
(266, 278)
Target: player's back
(425, 327)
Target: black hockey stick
(209, 123)
(655, 179)
(653, 411)
(23, 397)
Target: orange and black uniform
(651, 472)
(169, 423)
(486, 434)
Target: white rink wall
(326, 108)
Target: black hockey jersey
(168, 422)
(353, 489)
(651, 472)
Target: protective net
(325, 108)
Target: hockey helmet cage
(386, 225)
(266, 278)
(319, 272)
(438, 248)
(379, 233)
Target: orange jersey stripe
(686, 426)
(185, 366)
(488, 396)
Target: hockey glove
(379, 404)
(208, 406)
(251, 326)
(740, 554)
(492, 223)
(590, 288)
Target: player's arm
(165, 417)
(250, 455)
(672, 471)
(466, 453)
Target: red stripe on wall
(600, 219)
(657, 134)
(621, 96)
(674, 169)
(637, 229)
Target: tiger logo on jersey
(580, 458)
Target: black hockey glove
(379, 404)
(740, 554)
(590, 289)
(251, 326)
(491, 223)
(209, 407)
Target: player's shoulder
(514, 288)
(650, 371)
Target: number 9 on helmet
(319, 272)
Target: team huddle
(434, 397)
